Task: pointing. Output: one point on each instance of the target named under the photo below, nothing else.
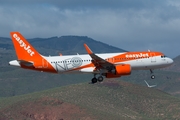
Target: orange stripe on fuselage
(128, 56)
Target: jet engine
(120, 70)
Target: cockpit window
(163, 56)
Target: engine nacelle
(124, 69)
(120, 70)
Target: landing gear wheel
(100, 78)
(153, 77)
(94, 80)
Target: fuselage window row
(104, 59)
(70, 61)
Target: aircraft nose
(170, 61)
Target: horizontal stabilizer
(26, 63)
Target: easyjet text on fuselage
(137, 55)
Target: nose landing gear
(152, 76)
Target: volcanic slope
(110, 100)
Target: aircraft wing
(98, 61)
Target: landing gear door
(153, 57)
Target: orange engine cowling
(124, 69)
(120, 70)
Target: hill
(64, 45)
(72, 45)
(109, 100)
(176, 66)
(16, 81)
(167, 79)
(113, 99)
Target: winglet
(88, 49)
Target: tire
(94, 80)
(153, 77)
(100, 79)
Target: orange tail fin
(24, 50)
(28, 57)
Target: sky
(133, 25)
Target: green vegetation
(112, 99)
(16, 81)
(108, 100)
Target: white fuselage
(70, 62)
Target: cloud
(128, 24)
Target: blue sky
(133, 25)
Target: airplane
(150, 86)
(106, 65)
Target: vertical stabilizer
(27, 56)
(24, 50)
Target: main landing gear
(152, 76)
(99, 79)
